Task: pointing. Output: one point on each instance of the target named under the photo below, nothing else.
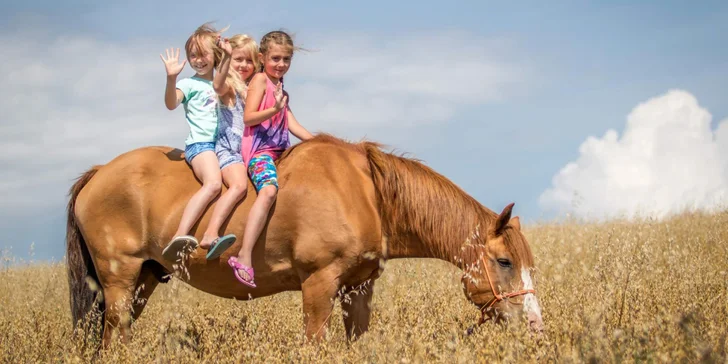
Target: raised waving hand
(171, 62)
(280, 99)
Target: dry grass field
(614, 292)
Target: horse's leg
(319, 291)
(118, 279)
(146, 283)
(356, 307)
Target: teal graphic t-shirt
(200, 103)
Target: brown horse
(342, 208)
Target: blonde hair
(249, 45)
(233, 79)
(204, 35)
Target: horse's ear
(516, 223)
(503, 219)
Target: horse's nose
(535, 322)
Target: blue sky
(562, 72)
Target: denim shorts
(192, 150)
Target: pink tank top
(269, 137)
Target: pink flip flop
(233, 262)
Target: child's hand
(171, 63)
(224, 44)
(280, 99)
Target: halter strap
(497, 297)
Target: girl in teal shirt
(200, 104)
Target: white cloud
(668, 161)
(398, 81)
(71, 101)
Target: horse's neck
(458, 252)
(423, 213)
(437, 226)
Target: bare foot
(207, 241)
(242, 272)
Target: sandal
(219, 245)
(233, 262)
(178, 246)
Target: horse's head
(498, 277)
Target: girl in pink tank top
(268, 119)
(270, 137)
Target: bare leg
(207, 169)
(235, 177)
(256, 220)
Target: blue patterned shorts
(192, 150)
(227, 158)
(262, 171)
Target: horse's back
(326, 185)
(326, 210)
(331, 176)
(131, 188)
(129, 172)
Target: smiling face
(201, 58)
(242, 63)
(277, 60)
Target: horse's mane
(416, 200)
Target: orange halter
(497, 297)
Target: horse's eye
(505, 263)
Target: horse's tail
(83, 282)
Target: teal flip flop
(219, 246)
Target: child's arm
(172, 95)
(256, 90)
(218, 83)
(295, 128)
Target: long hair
(203, 38)
(233, 79)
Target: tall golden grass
(612, 292)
